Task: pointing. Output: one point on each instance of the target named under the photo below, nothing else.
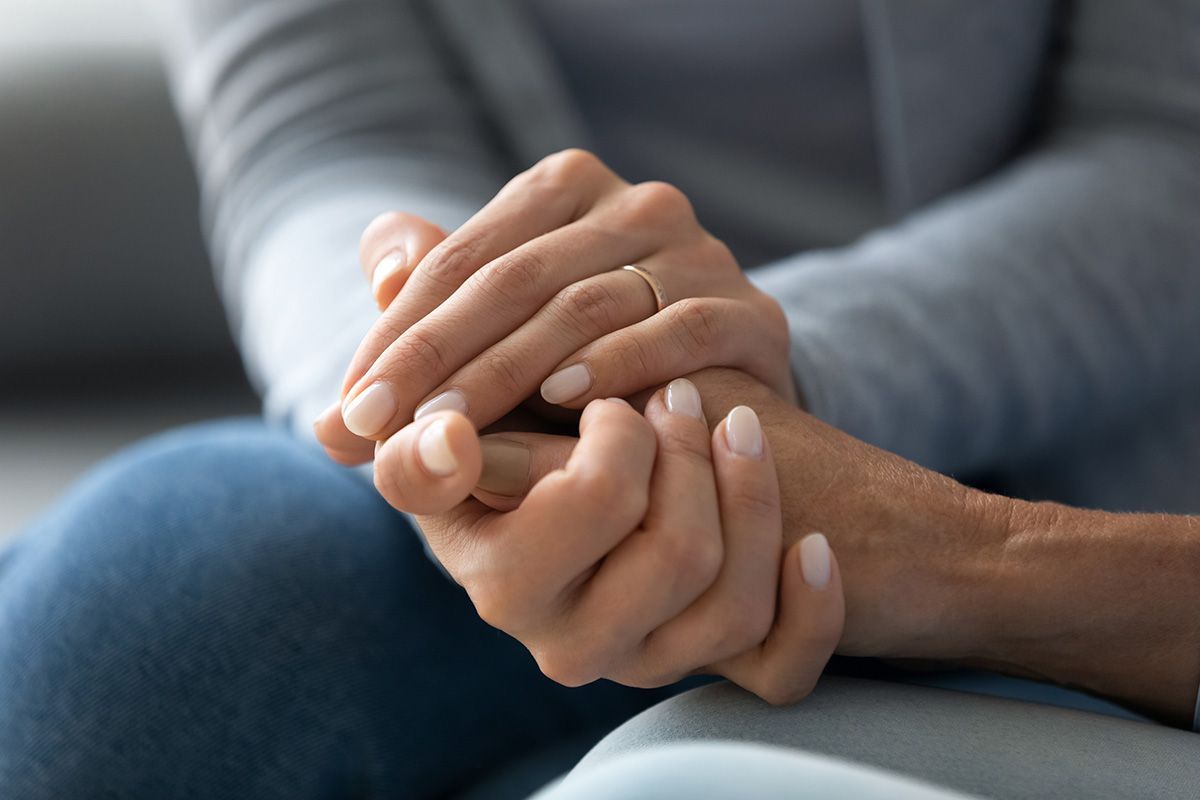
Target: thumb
(391, 247)
(513, 463)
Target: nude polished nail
(388, 266)
(453, 400)
(816, 562)
(683, 398)
(433, 448)
(373, 408)
(744, 432)
(505, 467)
(567, 384)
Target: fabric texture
(764, 117)
(988, 746)
(735, 771)
(1035, 294)
(222, 612)
(1033, 302)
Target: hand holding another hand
(647, 551)
(529, 295)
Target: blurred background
(110, 328)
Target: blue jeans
(222, 612)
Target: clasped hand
(647, 549)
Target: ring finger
(492, 304)
(490, 386)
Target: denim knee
(193, 596)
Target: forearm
(1109, 603)
(1103, 602)
(297, 155)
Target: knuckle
(632, 356)
(751, 499)
(503, 374)
(606, 491)
(746, 622)
(694, 556)
(727, 635)
(387, 329)
(697, 326)
(781, 692)
(589, 307)
(493, 600)
(758, 617)
(657, 201)
(687, 442)
(451, 263)
(775, 323)
(569, 666)
(714, 251)
(560, 170)
(515, 276)
(420, 351)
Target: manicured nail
(374, 407)
(388, 266)
(433, 448)
(682, 398)
(453, 400)
(744, 433)
(505, 467)
(567, 384)
(815, 562)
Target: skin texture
(647, 550)
(532, 285)
(938, 571)
(933, 569)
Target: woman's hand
(647, 551)
(529, 295)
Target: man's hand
(649, 550)
(529, 294)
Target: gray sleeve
(1051, 300)
(307, 118)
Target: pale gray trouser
(720, 743)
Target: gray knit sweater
(1032, 308)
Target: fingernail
(453, 400)
(374, 407)
(744, 433)
(815, 561)
(682, 398)
(567, 384)
(388, 266)
(619, 401)
(433, 448)
(505, 467)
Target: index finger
(545, 197)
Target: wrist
(1099, 602)
(926, 589)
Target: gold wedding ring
(660, 292)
